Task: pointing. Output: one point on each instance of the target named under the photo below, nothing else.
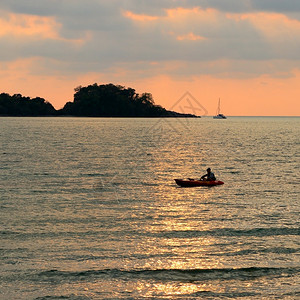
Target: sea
(89, 208)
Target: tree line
(106, 100)
(18, 105)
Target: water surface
(90, 210)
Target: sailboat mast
(218, 114)
(219, 107)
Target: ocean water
(89, 208)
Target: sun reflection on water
(168, 289)
(175, 220)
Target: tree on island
(109, 100)
(17, 105)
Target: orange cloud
(191, 37)
(192, 13)
(28, 25)
(140, 18)
(176, 15)
(179, 20)
(272, 25)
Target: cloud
(27, 26)
(145, 37)
(276, 5)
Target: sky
(245, 52)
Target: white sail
(218, 113)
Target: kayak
(191, 183)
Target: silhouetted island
(17, 105)
(107, 100)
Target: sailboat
(218, 114)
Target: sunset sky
(246, 52)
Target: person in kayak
(210, 176)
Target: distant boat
(218, 114)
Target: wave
(72, 296)
(218, 232)
(276, 250)
(182, 275)
(258, 232)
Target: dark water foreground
(89, 209)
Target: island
(20, 106)
(106, 100)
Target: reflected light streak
(177, 235)
(168, 289)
